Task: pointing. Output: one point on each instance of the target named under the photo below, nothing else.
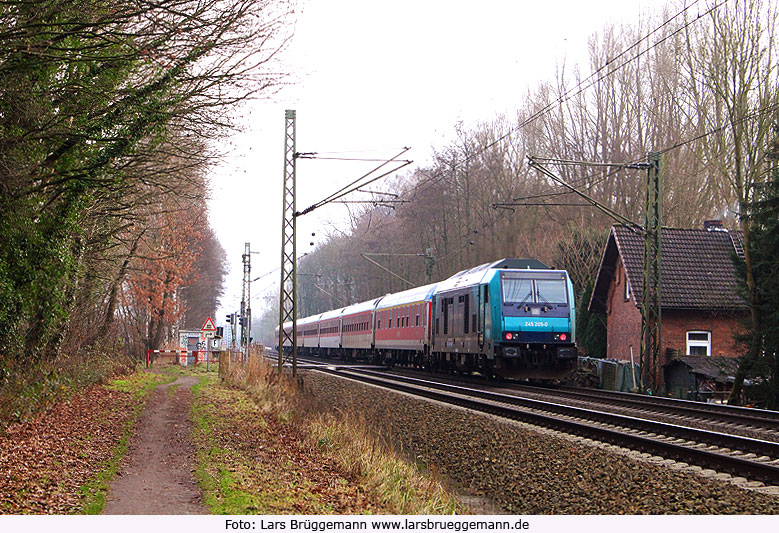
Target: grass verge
(140, 385)
(279, 453)
(247, 464)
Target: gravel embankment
(529, 471)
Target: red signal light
(509, 336)
(563, 337)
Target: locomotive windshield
(522, 290)
(551, 291)
(517, 290)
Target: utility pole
(246, 305)
(651, 331)
(429, 263)
(236, 316)
(288, 287)
(651, 334)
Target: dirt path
(156, 476)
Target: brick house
(702, 306)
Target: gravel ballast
(527, 470)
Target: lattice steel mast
(651, 333)
(288, 288)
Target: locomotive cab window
(517, 291)
(538, 290)
(551, 291)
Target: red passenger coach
(288, 331)
(389, 329)
(402, 325)
(357, 329)
(330, 332)
(308, 333)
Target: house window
(699, 343)
(627, 289)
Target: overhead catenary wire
(637, 164)
(573, 162)
(387, 202)
(353, 186)
(313, 155)
(613, 214)
(378, 192)
(750, 116)
(365, 256)
(580, 87)
(505, 205)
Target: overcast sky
(372, 77)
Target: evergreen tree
(590, 327)
(763, 357)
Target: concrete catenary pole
(246, 306)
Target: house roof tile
(719, 368)
(697, 268)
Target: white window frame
(699, 343)
(627, 288)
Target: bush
(32, 389)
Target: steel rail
(711, 438)
(755, 418)
(496, 403)
(762, 417)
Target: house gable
(697, 269)
(700, 294)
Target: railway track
(758, 418)
(729, 418)
(751, 458)
(726, 416)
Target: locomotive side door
(486, 322)
(481, 310)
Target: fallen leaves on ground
(45, 462)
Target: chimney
(713, 225)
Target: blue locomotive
(512, 318)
